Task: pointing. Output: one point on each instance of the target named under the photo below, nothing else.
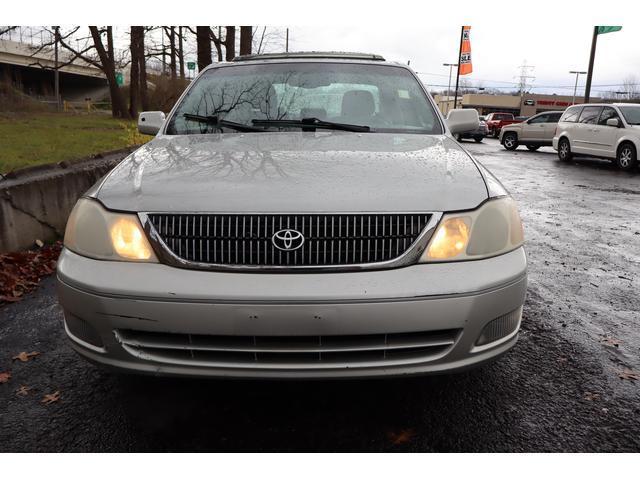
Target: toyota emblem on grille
(287, 239)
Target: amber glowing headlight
(95, 232)
(492, 229)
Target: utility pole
(286, 45)
(56, 72)
(575, 88)
(450, 65)
(592, 57)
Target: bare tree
(96, 53)
(108, 66)
(631, 86)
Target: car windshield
(631, 114)
(382, 97)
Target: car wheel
(627, 157)
(459, 138)
(564, 150)
(478, 139)
(533, 148)
(510, 141)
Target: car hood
(295, 172)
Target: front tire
(459, 138)
(627, 157)
(510, 141)
(478, 139)
(564, 150)
(533, 148)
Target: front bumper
(113, 298)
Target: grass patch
(28, 139)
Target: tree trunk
(203, 41)
(172, 52)
(134, 82)
(230, 43)
(246, 37)
(180, 52)
(217, 43)
(118, 104)
(144, 94)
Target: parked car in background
(495, 122)
(600, 130)
(297, 215)
(478, 134)
(536, 132)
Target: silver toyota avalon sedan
(296, 215)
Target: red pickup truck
(495, 122)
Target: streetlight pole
(575, 88)
(450, 65)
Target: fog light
(500, 327)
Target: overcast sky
(498, 49)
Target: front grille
(246, 240)
(332, 351)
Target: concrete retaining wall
(35, 203)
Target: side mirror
(150, 123)
(613, 122)
(462, 120)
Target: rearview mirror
(150, 123)
(613, 122)
(462, 120)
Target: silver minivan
(296, 215)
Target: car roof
(606, 105)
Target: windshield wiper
(218, 122)
(311, 124)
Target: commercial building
(526, 105)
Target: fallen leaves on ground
(612, 342)
(628, 374)
(25, 357)
(51, 397)
(23, 391)
(5, 377)
(404, 436)
(20, 272)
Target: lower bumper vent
(295, 352)
(500, 327)
(82, 330)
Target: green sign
(602, 30)
(119, 79)
(191, 65)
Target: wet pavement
(559, 389)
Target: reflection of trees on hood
(198, 162)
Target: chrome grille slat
(330, 240)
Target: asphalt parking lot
(568, 385)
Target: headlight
(492, 229)
(95, 232)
